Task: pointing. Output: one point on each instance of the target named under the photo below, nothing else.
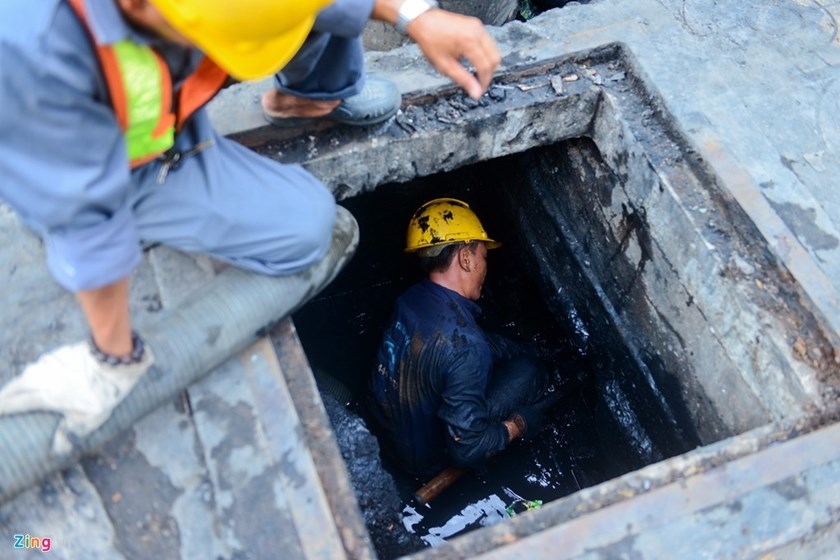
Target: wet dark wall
(560, 197)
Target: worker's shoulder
(45, 46)
(28, 21)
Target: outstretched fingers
(481, 51)
(447, 38)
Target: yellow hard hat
(443, 221)
(248, 38)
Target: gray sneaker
(378, 101)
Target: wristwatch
(410, 9)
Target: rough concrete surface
(375, 489)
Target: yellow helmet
(443, 221)
(247, 38)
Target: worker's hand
(74, 383)
(446, 38)
(529, 419)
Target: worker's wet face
(476, 259)
(143, 15)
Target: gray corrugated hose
(222, 318)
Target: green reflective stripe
(142, 82)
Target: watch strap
(410, 9)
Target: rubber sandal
(378, 101)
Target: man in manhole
(443, 391)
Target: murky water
(616, 422)
(562, 461)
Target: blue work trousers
(242, 208)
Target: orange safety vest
(141, 91)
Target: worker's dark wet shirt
(430, 381)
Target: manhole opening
(629, 413)
(620, 258)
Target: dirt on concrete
(375, 489)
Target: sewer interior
(620, 419)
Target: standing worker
(443, 391)
(104, 144)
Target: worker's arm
(65, 170)
(63, 158)
(472, 435)
(106, 310)
(446, 38)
